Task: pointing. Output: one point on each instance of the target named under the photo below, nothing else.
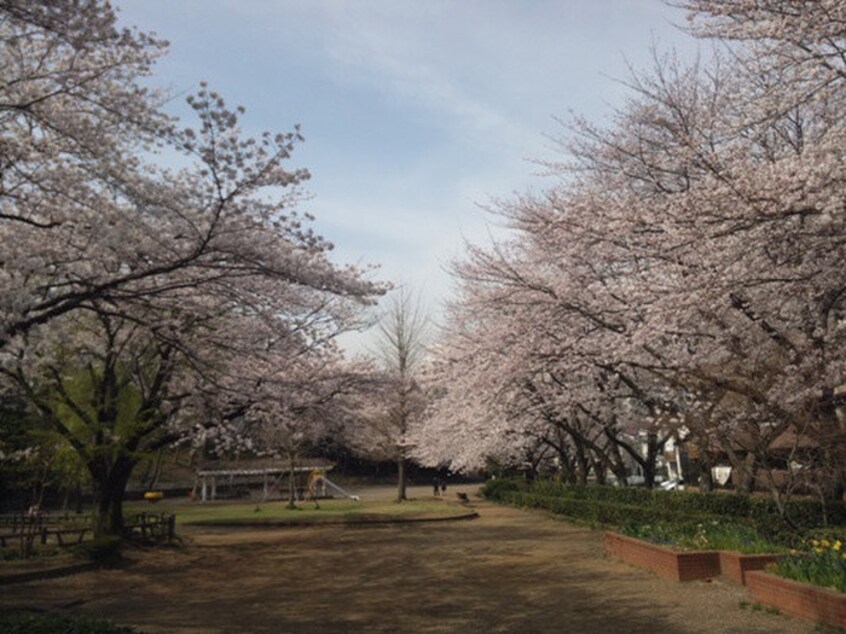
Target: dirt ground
(507, 571)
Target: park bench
(62, 533)
(153, 526)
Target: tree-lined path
(508, 571)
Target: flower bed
(671, 564)
(705, 535)
(740, 548)
(823, 563)
(735, 565)
(797, 598)
(685, 565)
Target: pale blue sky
(414, 112)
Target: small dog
(462, 497)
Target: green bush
(762, 512)
(605, 513)
(496, 489)
(756, 519)
(26, 622)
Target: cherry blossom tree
(684, 275)
(133, 294)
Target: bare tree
(401, 344)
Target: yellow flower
(825, 543)
(818, 550)
(814, 543)
(837, 546)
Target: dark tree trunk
(292, 483)
(566, 466)
(747, 475)
(582, 464)
(648, 464)
(703, 465)
(599, 470)
(706, 481)
(401, 483)
(109, 489)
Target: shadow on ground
(509, 571)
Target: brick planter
(735, 565)
(799, 599)
(671, 564)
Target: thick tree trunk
(582, 465)
(703, 467)
(599, 470)
(747, 475)
(401, 480)
(618, 467)
(566, 467)
(706, 480)
(109, 489)
(649, 463)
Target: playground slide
(340, 490)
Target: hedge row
(605, 513)
(630, 504)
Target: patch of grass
(212, 513)
(13, 553)
(28, 622)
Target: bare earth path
(508, 571)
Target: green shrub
(26, 622)
(759, 512)
(605, 513)
(496, 489)
(736, 522)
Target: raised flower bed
(799, 599)
(671, 564)
(685, 565)
(735, 565)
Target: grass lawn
(330, 511)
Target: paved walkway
(508, 571)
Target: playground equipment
(340, 490)
(317, 483)
(237, 477)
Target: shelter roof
(256, 466)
